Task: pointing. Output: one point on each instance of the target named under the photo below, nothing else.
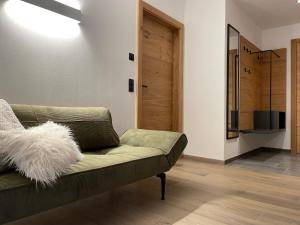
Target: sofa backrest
(91, 126)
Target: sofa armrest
(171, 144)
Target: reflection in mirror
(233, 40)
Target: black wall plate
(131, 56)
(131, 85)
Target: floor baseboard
(202, 159)
(220, 162)
(275, 149)
(227, 161)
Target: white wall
(115, 23)
(112, 28)
(203, 74)
(37, 69)
(281, 38)
(204, 81)
(242, 22)
(174, 8)
(93, 68)
(90, 69)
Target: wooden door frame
(294, 95)
(143, 7)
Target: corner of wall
(248, 28)
(204, 78)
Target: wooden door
(157, 80)
(160, 74)
(295, 61)
(298, 97)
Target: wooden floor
(197, 193)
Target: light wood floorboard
(197, 193)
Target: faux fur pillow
(8, 121)
(41, 153)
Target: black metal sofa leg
(162, 177)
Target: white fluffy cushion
(41, 153)
(8, 119)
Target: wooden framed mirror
(233, 71)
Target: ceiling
(271, 13)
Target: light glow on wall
(42, 21)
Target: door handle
(145, 86)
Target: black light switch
(131, 85)
(131, 56)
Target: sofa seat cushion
(92, 161)
(98, 172)
(12, 180)
(92, 126)
(113, 156)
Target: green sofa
(109, 161)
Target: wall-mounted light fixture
(72, 3)
(57, 7)
(298, 1)
(50, 18)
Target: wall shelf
(267, 131)
(263, 94)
